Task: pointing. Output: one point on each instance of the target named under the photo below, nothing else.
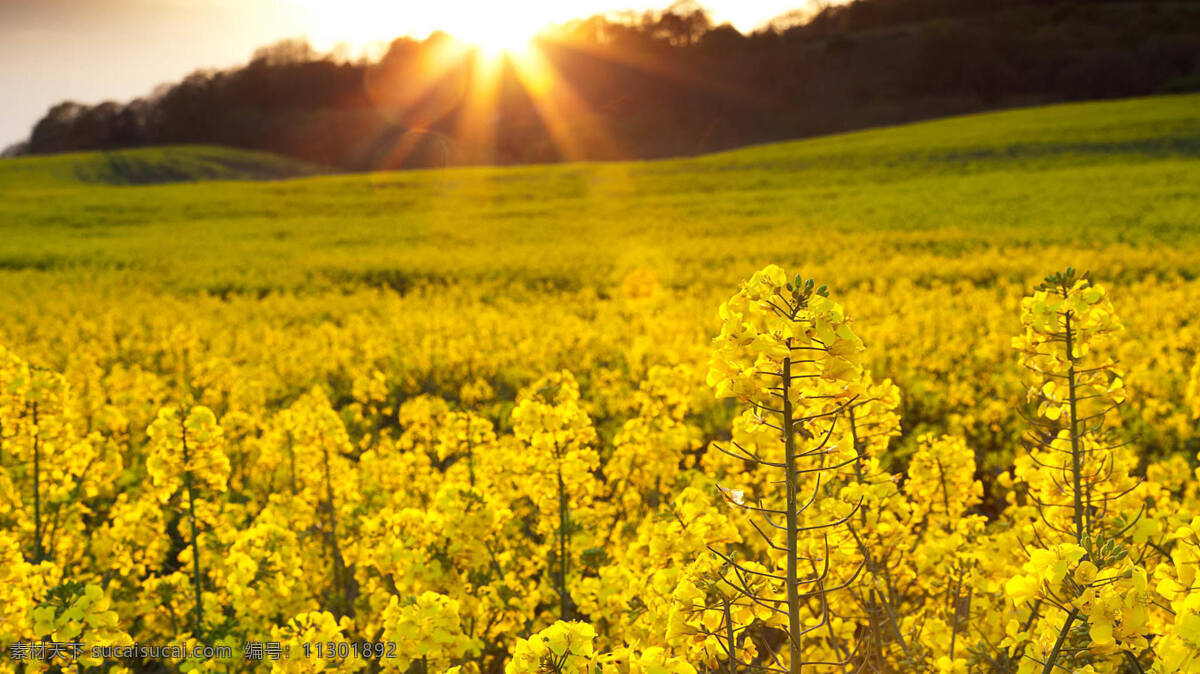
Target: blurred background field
(248, 278)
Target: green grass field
(1081, 176)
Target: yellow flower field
(595, 418)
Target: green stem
(833, 640)
(876, 635)
(954, 612)
(338, 567)
(1062, 638)
(37, 489)
(1076, 459)
(729, 635)
(796, 662)
(945, 490)
(1133, 660)
(187, 483)
(887, 599)
(1076, 470)
(564, 522)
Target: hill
(663, 84)
(1075, 175)
(144, 166)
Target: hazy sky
(95, 50)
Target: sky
(91, 51)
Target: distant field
(362, 342)
(1082, 176)
(992, 200)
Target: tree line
(655, 84)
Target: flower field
(596, 417)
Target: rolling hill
(146, 166)
(1077, 175)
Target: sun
(498, 34)
(493, 49)
(496, 28)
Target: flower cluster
(562, 648)
(428, 630)
(555, 489)
(186, 445)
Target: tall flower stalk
(1075, 474)
(185, 452)
(788, 353)
(552, 423)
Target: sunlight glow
(566, 116)
(448, 95)
(506, 34)
(494, 26)
(366, 24)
